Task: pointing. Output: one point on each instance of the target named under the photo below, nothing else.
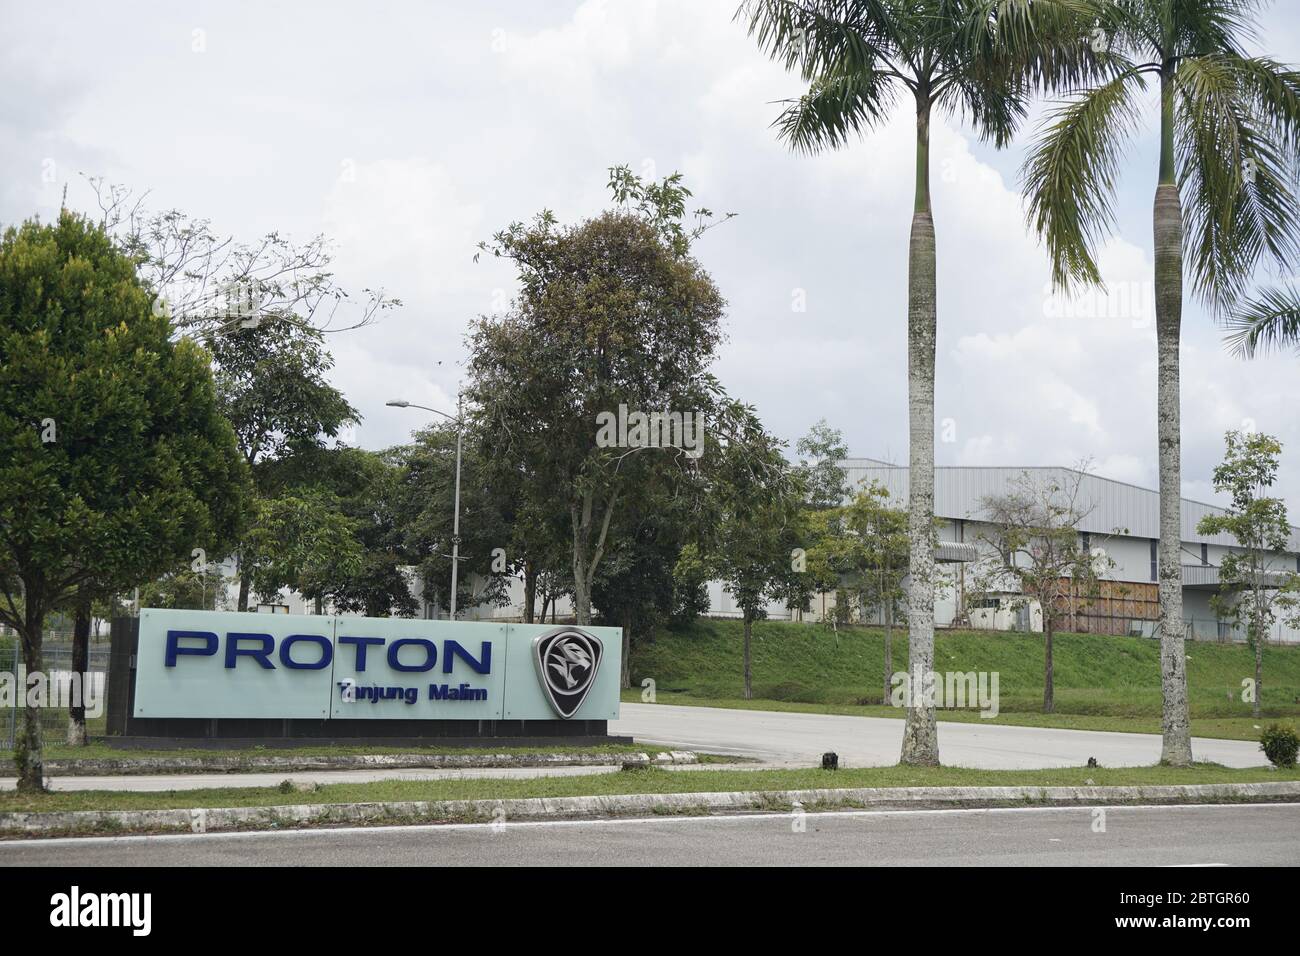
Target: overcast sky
(410, 131)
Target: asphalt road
(1265, 834)
(876, 741)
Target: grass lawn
(1221, 728)
(1102, 682)
(103, 751)
(651, 780)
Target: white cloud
(456, 125)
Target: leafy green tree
(690, 585)
(613, 316)
(877, 558)
(485, 511)
(115, 461)
(1225, 201)
(634, 589)
(378, 499)
(366, 494)
(820, 453)
(979, 58)
(1258, 581)
(823, 542)
(752, 547)
(539, 552)
(183, 588)
(273, 385)
(300, 540)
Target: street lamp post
(455, 521)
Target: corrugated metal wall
(1117, 505)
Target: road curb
(115, 766)
(220, 819)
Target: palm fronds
(1070, 174)
(1269, 320)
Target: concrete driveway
(875, 741)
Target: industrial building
(1122, 520)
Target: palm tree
(1229, 142)
(980, 58)
(1268, 320)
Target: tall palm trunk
(920, 735)
(1168, 229)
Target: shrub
(1280, 744)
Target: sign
(567, 660)
(274, 666)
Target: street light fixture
(455, 521)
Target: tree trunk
(1049, 701)
(244, 585)
(29, 747)
(80, 665)
(581, 603)
(581, 584)
(889, 652)
(749, 684)
(530, 592)
(1259, 669)
(920, 735)
(1168, 229)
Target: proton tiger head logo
(567, 660)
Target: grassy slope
(641, 781)
(1105, 683)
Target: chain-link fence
(1223, 632)
(59, 688)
